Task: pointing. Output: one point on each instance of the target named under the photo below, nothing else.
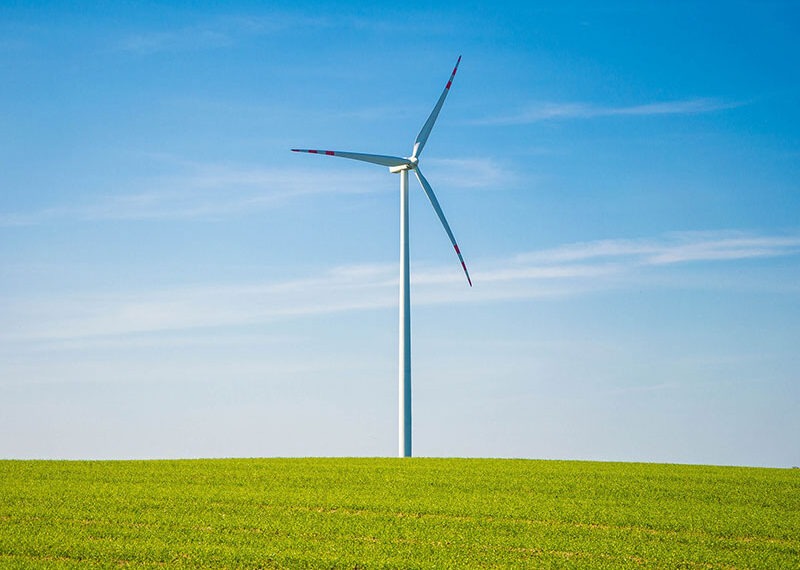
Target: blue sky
(622, 180)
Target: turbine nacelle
(412, 165)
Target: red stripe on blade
(329, 152)
(464, 265)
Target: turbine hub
(412, 165)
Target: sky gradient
(622, 181)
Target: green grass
(391, 513)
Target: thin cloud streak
(208, 192)
(472, 173)
(570, 270)
(566, 111)
(677, 247)
(200, 307)
(222, 191)
(215, 33)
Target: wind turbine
(401, 166)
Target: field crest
(393, 513)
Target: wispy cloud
(201, 191)
(86, 316)
(214, 33)
(570, 270)
(204, 192)
(678, 247)
(478, 172)
(546, 111)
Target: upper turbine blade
(373, 158)
(423, 135)
(438, 208)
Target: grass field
(392, 513)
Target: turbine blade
(423, 135)
(438, 208)
(381, 159)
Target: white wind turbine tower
(398, 165)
